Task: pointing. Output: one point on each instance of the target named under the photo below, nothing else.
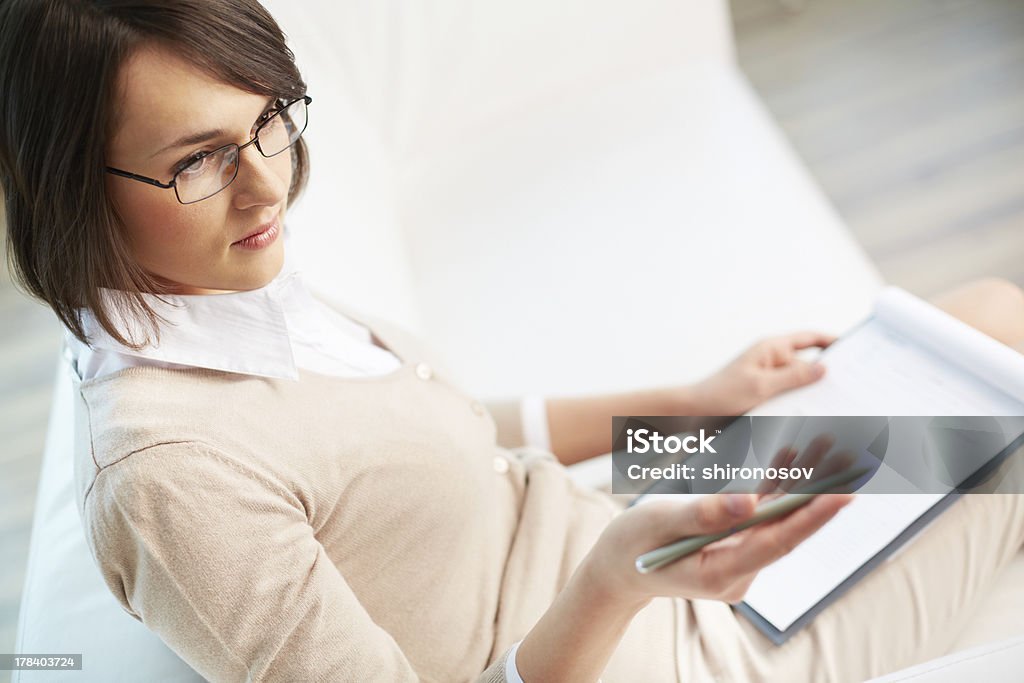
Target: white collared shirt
(270, 332)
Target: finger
(812, 456)
(781, 460)
(796, 374)
(770, 496)
(780, 352)
(768, 542)
(767, 485)
(711, 514)
(816, 450)
(741, 537)
(834, 464)
(810, 339)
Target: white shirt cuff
(511, 672)
(533, 412)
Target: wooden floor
(910, 113)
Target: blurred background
(908, 113)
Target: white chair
(993, 662)
(562, 197)
(66, 607)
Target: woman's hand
(720, 571)
(767, 368)
(574, 639)
(579, 426)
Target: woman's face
(163, 101)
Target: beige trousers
(911, 609)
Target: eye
(194, 164)
(274, 107)
(267, 114)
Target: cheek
(282, 164)
(140, 209)
(163, 234)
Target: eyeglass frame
(255, 140)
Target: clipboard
(879, 368)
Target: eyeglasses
(206, 174)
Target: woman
(285, 493)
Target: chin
(270, 266)
(246, 277)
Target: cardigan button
(478, 408)
(500, 464)
(423, 371)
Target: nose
(261, 181)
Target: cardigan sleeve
(221, 563)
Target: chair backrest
(66, 607)
(394, 81)
(482, 171)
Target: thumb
(711, 514)
(796, 374)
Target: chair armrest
(993, 662)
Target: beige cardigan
(333, 529)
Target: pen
(667, 554)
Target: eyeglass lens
(211, 174)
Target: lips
(260, 230)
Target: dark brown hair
(59, 62)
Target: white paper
(956, 342)
(784, 590)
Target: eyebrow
(206, 136)
(191, 139)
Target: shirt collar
(243, 332)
